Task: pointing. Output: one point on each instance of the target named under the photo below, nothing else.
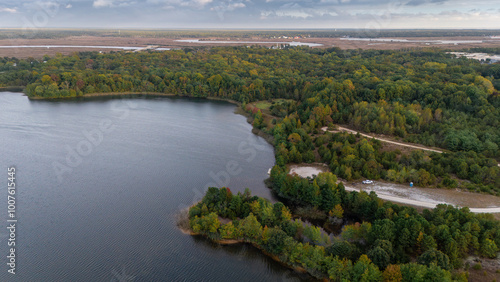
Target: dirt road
(383, 140)
(426, 203)
(340, 128)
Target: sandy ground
(489, 270)
(429, 197)
(307, 170)
(174, 43)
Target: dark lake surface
(100, 183)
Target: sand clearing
(307, 170)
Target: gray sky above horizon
(360, 14)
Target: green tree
(489, 248)
(434, 256)
(276, 241)
(250, 227)
(365, 270)
(228, 231)
(379, 257)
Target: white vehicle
(367, 181)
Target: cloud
(424, 2)
(257, 13)
(103, 3)
(184, 4)
(223, 7)
(8, 10)
(111, 3)
(203, 2)
(46, 4)
(49, 7)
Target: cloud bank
(251, 14)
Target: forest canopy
(424, 96)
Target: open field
(265, 105)
(454, 43)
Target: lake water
(100, 182)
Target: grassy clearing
(263, 105)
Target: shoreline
(183, 218)
(12, 89)
(238, 110)
(106, 94)
(111, 94)
(225, 242)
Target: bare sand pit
(307, 170)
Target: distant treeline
(370, 33)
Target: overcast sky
(251, 14)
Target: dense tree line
(367, 251)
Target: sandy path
(340, 128)
(383, 140)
